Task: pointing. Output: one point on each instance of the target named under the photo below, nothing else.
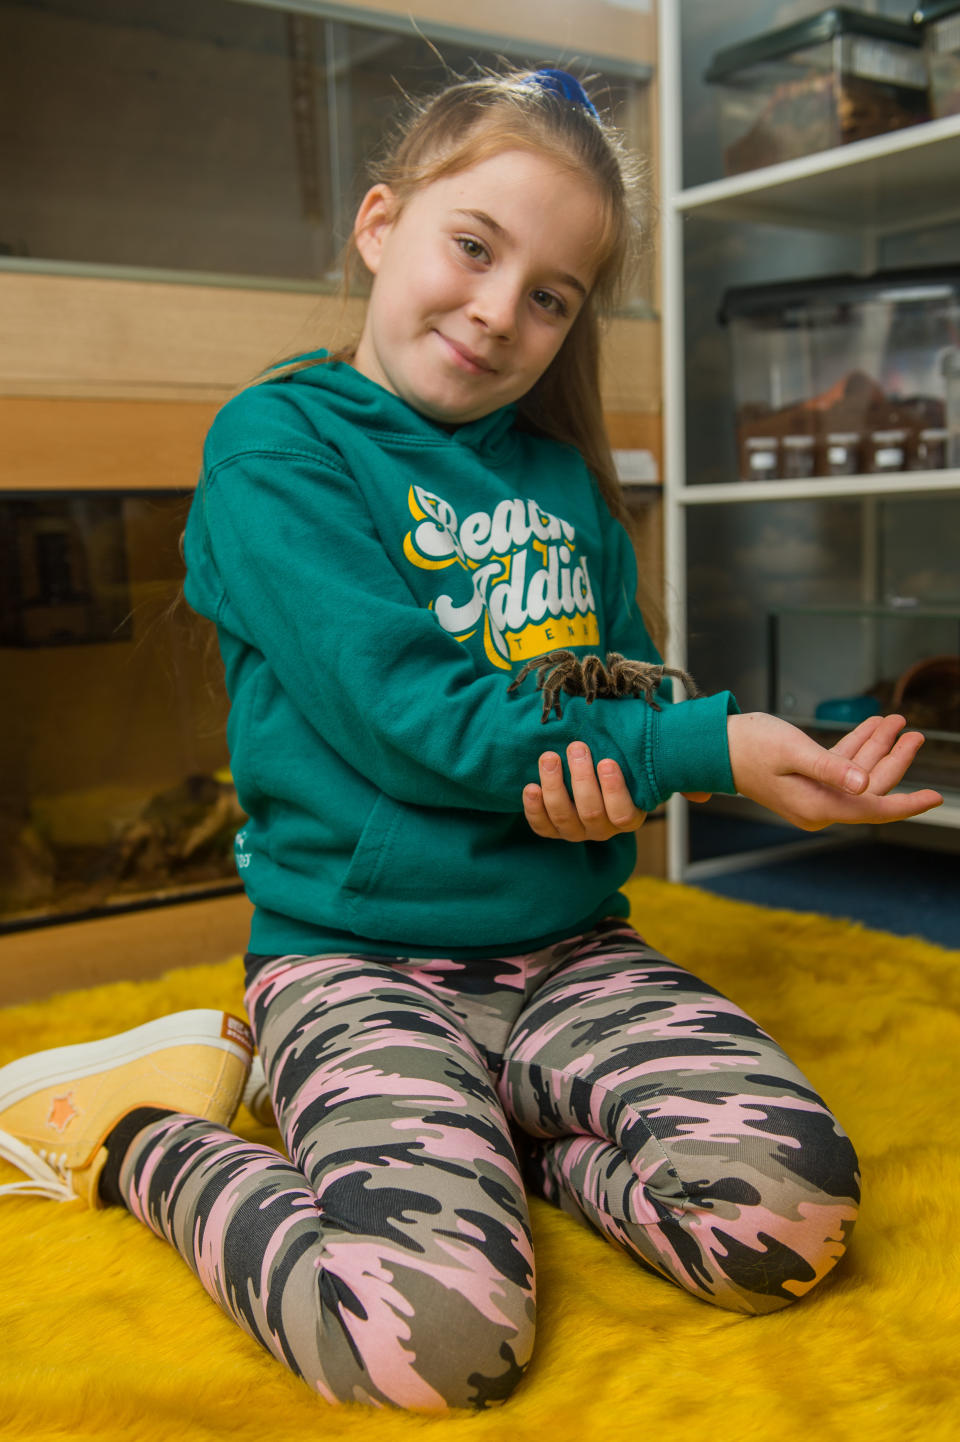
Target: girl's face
(477, 281)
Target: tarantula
(590, 678)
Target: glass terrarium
(115, 787)
(237, 135)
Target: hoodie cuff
(689, 746)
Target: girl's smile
(477, 281)
(460, 355)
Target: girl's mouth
(466, 359)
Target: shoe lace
(46, 1172)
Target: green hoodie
(377, 580)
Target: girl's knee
(478, 1388)
(758, 1237)
(448, 1352)
(478, 1362)
(775, 1252)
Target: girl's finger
(890, 769)
(556, 800)
(830, 768)
(587, 796)
(901, 805)
(536, 815)
(617, 801)
(816, 808)
(850, 744)
(879, 742)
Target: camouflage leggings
(390, 1262)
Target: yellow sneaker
(58, 1107)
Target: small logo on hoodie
(241, 856)
(529, 586)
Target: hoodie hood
(368, 405)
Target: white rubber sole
(20, 1079)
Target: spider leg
(648, 681)
(618, 679)
(573, 681)
(590, 674)
(551, 697)
(522, 675)
(623, 675)
(567, 674)
(690, 686)
(595, 680)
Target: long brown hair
(468, 122)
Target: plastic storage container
(938, 22)
(836, 77)
(951, 371)
(846, 375)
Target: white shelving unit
(878, 187)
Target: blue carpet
(891, 888)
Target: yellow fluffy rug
(105, 1334)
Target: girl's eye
(472, 247)
(548, 301)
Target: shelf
(901, 485)
(890, 183)
(816, 723)
(874, 610)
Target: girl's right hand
(783, 769)
(600, 805)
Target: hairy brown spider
(590, 678)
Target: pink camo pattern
(396, 1267)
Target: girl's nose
(496, 306)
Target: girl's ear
(376, 215)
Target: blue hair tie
(567, 86)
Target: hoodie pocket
(372, 849)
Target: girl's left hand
(601, 805)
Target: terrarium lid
(815, 30)
(935, 10)
(744, 301)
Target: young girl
(449, 1007)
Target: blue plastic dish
(851, 710)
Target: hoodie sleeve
(283, 553)
(687, 737)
